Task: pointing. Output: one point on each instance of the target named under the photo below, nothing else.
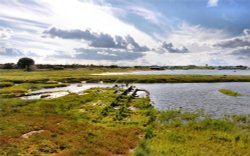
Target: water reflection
(78, 88)
(193, 96)
(188, 72)
(188, 96)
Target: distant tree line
(74, 66)
(23, 63)
(28, 64)
(59, 66)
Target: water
(78, 88)
(188, 72)
(205, 96)
(189, 96)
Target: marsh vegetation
(103, 121)
(97, 124)
(229, 92)
(85, 74)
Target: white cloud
(97, 40)
(100, 18)
(149, 15)
(195, 37)
(238, 41)
(200, 43)
(187, 33)
(29, 21)
(5, 34)
(212, 3)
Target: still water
(204, 96)
(187, 96)
(188, 72)
(78, 88)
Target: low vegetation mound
(229, 92)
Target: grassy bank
(102, 122)
(78, 75)
(176, 133)
(22, 89)
(20, 76)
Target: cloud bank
(126, 32)
(98, 40)
(171, 49)
(239, 41)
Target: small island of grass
(229, 92)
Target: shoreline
(131, 79)
(79, 75)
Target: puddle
(78, 88)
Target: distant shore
(86, 74)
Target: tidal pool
(186, 96)
(78, 88)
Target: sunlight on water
(187, 96)
(205, 96)
(188, 72)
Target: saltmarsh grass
(89, 125)
(73, 125)
(175, 135)
(5, 84)
(78, 75)
(20, 89)
(229, 92)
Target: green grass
(21, 89)
(100, 123)
(89, 124)
(73, 125)
(44, 76)
(78, 75)
(6, 84)
(229, 92)
(175, 134)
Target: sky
(126, 32)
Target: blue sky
(131, 32)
